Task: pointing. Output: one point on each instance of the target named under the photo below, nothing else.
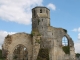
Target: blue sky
(15, 16)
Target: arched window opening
(43, 54)
(20, 53)
(65, 45)
(64, 41)
(40, 10)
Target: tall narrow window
(42, 20)
(64, 41)
(46, 11)
(34, 12)
(40, 10)
(65, 45)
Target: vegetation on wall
(32, 33)
(43, 54)
(8, 36)
(35, 32)
(1, 58)
(37, 41)
(65, 30)
(66, 49)
(77, 55)
(15, 57)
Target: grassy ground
(1, 58)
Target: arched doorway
(43, 54)
(20, 53)
(65, 45)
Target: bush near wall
(66, 49)
(1, 58)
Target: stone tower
(40, 18)
(41, 21)
(43, 38)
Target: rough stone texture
(43, 36)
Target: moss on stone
(37, 41)
(65, 30)
(32, 33)
(66, 49)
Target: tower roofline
(40, 7)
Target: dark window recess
(52, 33)
(38, 22)
(40, 10)
(34, 12)
(42, 27)
(46, 11)
(42, 19)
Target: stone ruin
(44, 43)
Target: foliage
(8, 36)
(77, 55)
(37, 41)
(43, 54)
(1, 58)
(65, 30)
(15, 57)
(38, 34)
(32, 33)
(66, 49)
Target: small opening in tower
(40, 10)
(52, 33)
(34, 12)
(42, 20)
(46, 11)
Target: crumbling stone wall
(18, 38)
(43, 36)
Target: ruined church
(44, 43)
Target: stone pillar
(72, 53)
(36, 47)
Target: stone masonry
(23, 46)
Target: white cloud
(79, 36)
(3, 34)
(75, 30)
(52, 6)
(77, 46)
(17, 10)
(79, 29)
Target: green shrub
(32, 34)
(37, 41)
(65, 30)
(1, 58)
(77, 55)
(66, 49)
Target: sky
(15, 16)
